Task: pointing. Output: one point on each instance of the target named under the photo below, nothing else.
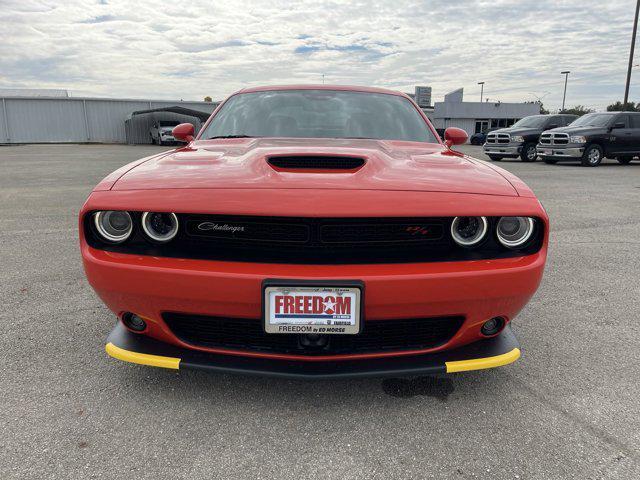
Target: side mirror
(455, 136)
(620, 125)
(184, 132)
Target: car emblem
(216, 227)
(417, 230)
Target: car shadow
(193, 385)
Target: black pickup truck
(521, 138)
(593, 137)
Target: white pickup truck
(161, 132)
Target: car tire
(529, 153)
(495, 158)
(550, 161)
(476, 141)
(624, 160)
(592, 156)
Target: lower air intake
(376, 336)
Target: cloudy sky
(190, 49)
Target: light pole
(633, 44)
(566, 78)
(482, 88)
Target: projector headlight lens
(514, 232)
(469, 231)
(160, 227)
(113, 226)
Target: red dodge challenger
(314, 232)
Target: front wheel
(624, 160)
(529, 153)
(495, 158)
(592, 156)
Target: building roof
(203, 116)
(33, 92)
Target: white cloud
(172, 50)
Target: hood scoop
(316, 163)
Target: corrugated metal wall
(79, 120)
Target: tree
(207, 99)
(577, 110)
(543, 110)
(619, 107)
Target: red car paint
(398, 179)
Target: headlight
(517, 139)
(469, 231)
(578, 139)
(114, 226)
(160, 227)
(514, 232)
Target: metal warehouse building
(54, 119)
(474, 117)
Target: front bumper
(493, 352)
(502, 150)
(559, 152)
(475, 290)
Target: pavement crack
(597, 432)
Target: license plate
(312, 309)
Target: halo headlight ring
(478, 237)
(520, 237)
(109, 229)
(152, 232)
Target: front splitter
(492, 352)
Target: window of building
(481, 126)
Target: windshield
(593, 120)
(319, 114)
(168, 124)
(531, 122)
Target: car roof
(344, 88)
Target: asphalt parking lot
(568, 409)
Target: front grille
(316, 163)
(560, 138)
(499, 138)
(247, 229)
(376, 336)
(381, 233)
(554, 139)
(307, 240)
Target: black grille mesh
(376, 336)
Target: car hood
(389, 165)
(519, 131)
(576, 130)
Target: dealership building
(474, 117)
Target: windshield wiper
(230, 136)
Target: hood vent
(316, 163)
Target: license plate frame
(354, 289)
